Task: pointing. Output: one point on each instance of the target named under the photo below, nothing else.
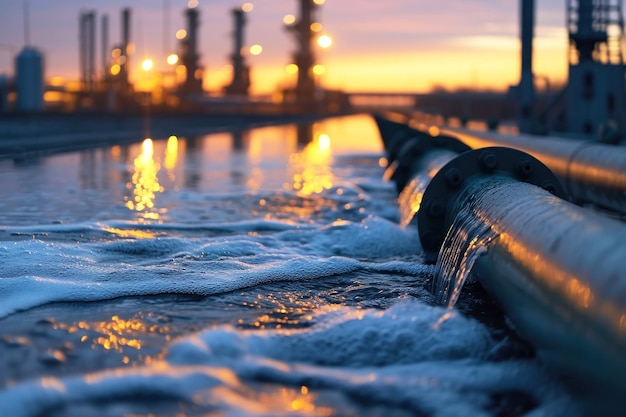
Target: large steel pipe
(591, 172)
(556, 270)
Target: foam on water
(413, 358)
(327, 268)
(36, 272)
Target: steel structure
(596, 92)
(241, 72)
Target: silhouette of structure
(190, 57)
(87, 52)
(304, 56)
(596, 93)
(526, 86)
(29, 80)
(241, 72)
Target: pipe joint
(452, 179)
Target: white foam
(36, 272)
(425, 360)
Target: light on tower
(324, 41)
(256, 49)
(172, 59)
(147, 64)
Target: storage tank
(29, 80)
(5, 85)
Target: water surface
(255, 273)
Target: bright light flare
(319, 2)
(247, 7)
(324, 41)
(147, 64)
(289, 19)
(256, 49)
(291, 69)
(192, 4)
(181, 34)
(172, 59)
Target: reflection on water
(145, 183)
(124, 336)
(171, 156)
(312, 166)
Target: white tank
(29, 80)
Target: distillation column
(192, 85)
(241, 72)
(304, 57)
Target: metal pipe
(590, 172)
(557, 271)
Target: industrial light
(147, 64)
(324, 41)
(172, 59)
(256, 49)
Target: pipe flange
(433, 220)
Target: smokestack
(105, 46)
(241, 78)
(125, 44)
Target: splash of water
(467, 239)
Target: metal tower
(241, 72)
(304, 57)
(526, 85)
(87, 40)
(192, 85)
(596, 92)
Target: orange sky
(396, 45)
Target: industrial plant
(106, 86)
(592, 102)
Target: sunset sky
(391, 45)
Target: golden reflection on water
(282, 401)
(312, 166)
(171, 156)
(145, 182)
(117, 334)
(130, 233)
(288, 311)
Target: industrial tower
(241, 72)
(190, 57)
(596, 93)
(304, 57)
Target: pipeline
(555, 269)
(590, 172)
